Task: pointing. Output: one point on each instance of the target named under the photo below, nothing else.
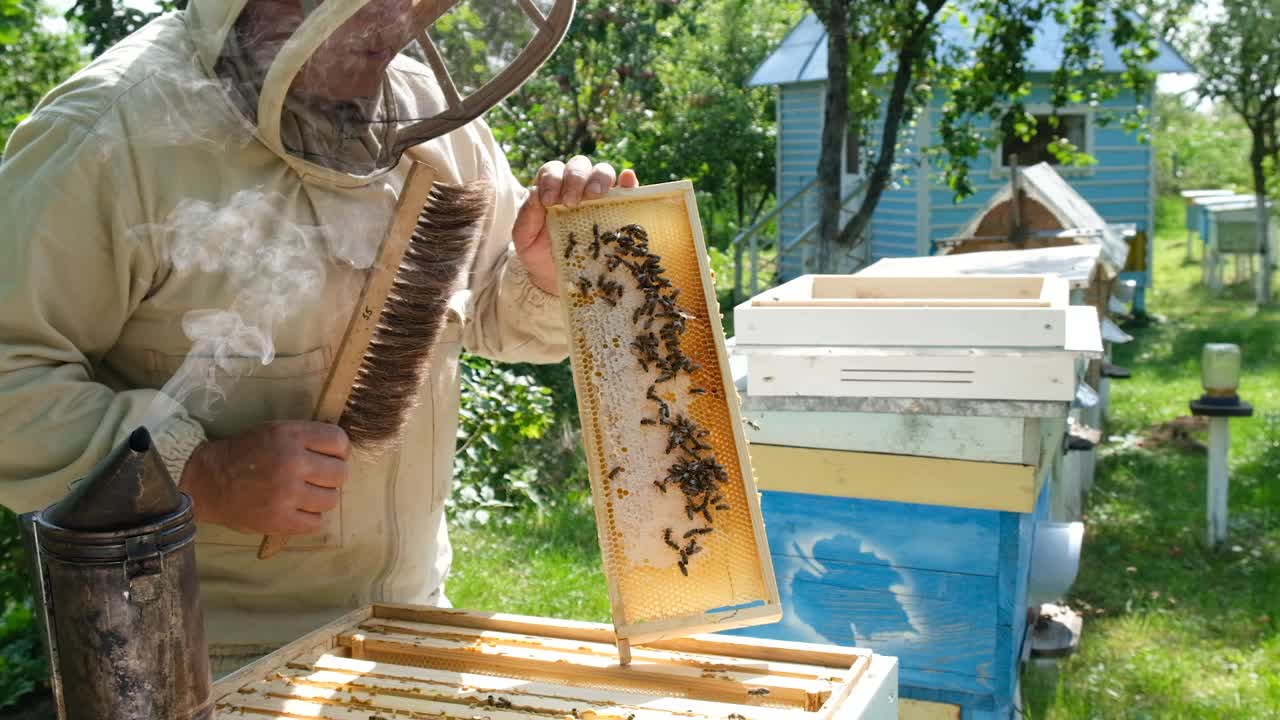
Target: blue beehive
(912, 215)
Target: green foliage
(107, 22)
(598, 83)
(705, 124)
(32, 60)
(901, 54)
(15, 19)
(22, 664)
(507, 457)
(1199, 148)
(994, 84)
(659, 86)
(1241, 66)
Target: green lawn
(547, 564)
(1173, 629)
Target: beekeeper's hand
(276, 479)
(559, 183)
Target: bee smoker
(117, 594)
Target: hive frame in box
(393, 659)
(676, 233)
(966, 311)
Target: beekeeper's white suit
(135, 201)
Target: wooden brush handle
(364, 320)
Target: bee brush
(374, 379)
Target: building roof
(802, 56)
(1044, 185)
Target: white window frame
(999, 169)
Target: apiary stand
(902, 500)
(906, 525)
(385, 661)
(1091, 284)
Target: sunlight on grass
(1173, 628)
(546, 565)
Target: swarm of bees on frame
(660, 322)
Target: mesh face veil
(349, 85)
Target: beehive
(645, 518)
(397, 661)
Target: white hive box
(1006, 337)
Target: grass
(1173, 629)
(539, 564)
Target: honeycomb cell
(612, 390)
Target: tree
(32, 60)
(106, 22)
(898, 50)
(1200, 147)
(705, 125)
(1241, 66)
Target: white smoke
(269, 267)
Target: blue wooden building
(918, 210)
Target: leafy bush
(517, 440)
(22, 664)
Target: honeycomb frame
(732, 584)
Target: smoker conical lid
(129, 488)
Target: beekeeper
(137, 200)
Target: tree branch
(896, 112)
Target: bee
(752, 424)
(666, 537)
(758, 692)
(595, 242)
(569, 245)
(697, 531)
(648, 421)
(660, 486)
(723, 506)
(684, 569)
(697, 391)
(614, 472)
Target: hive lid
(128, 488)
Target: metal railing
(748, 241)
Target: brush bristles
(392, 371)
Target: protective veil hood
(431, 87)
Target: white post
(1219, 442)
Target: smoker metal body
(118, 595)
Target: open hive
(679, 517)
(395, 661)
